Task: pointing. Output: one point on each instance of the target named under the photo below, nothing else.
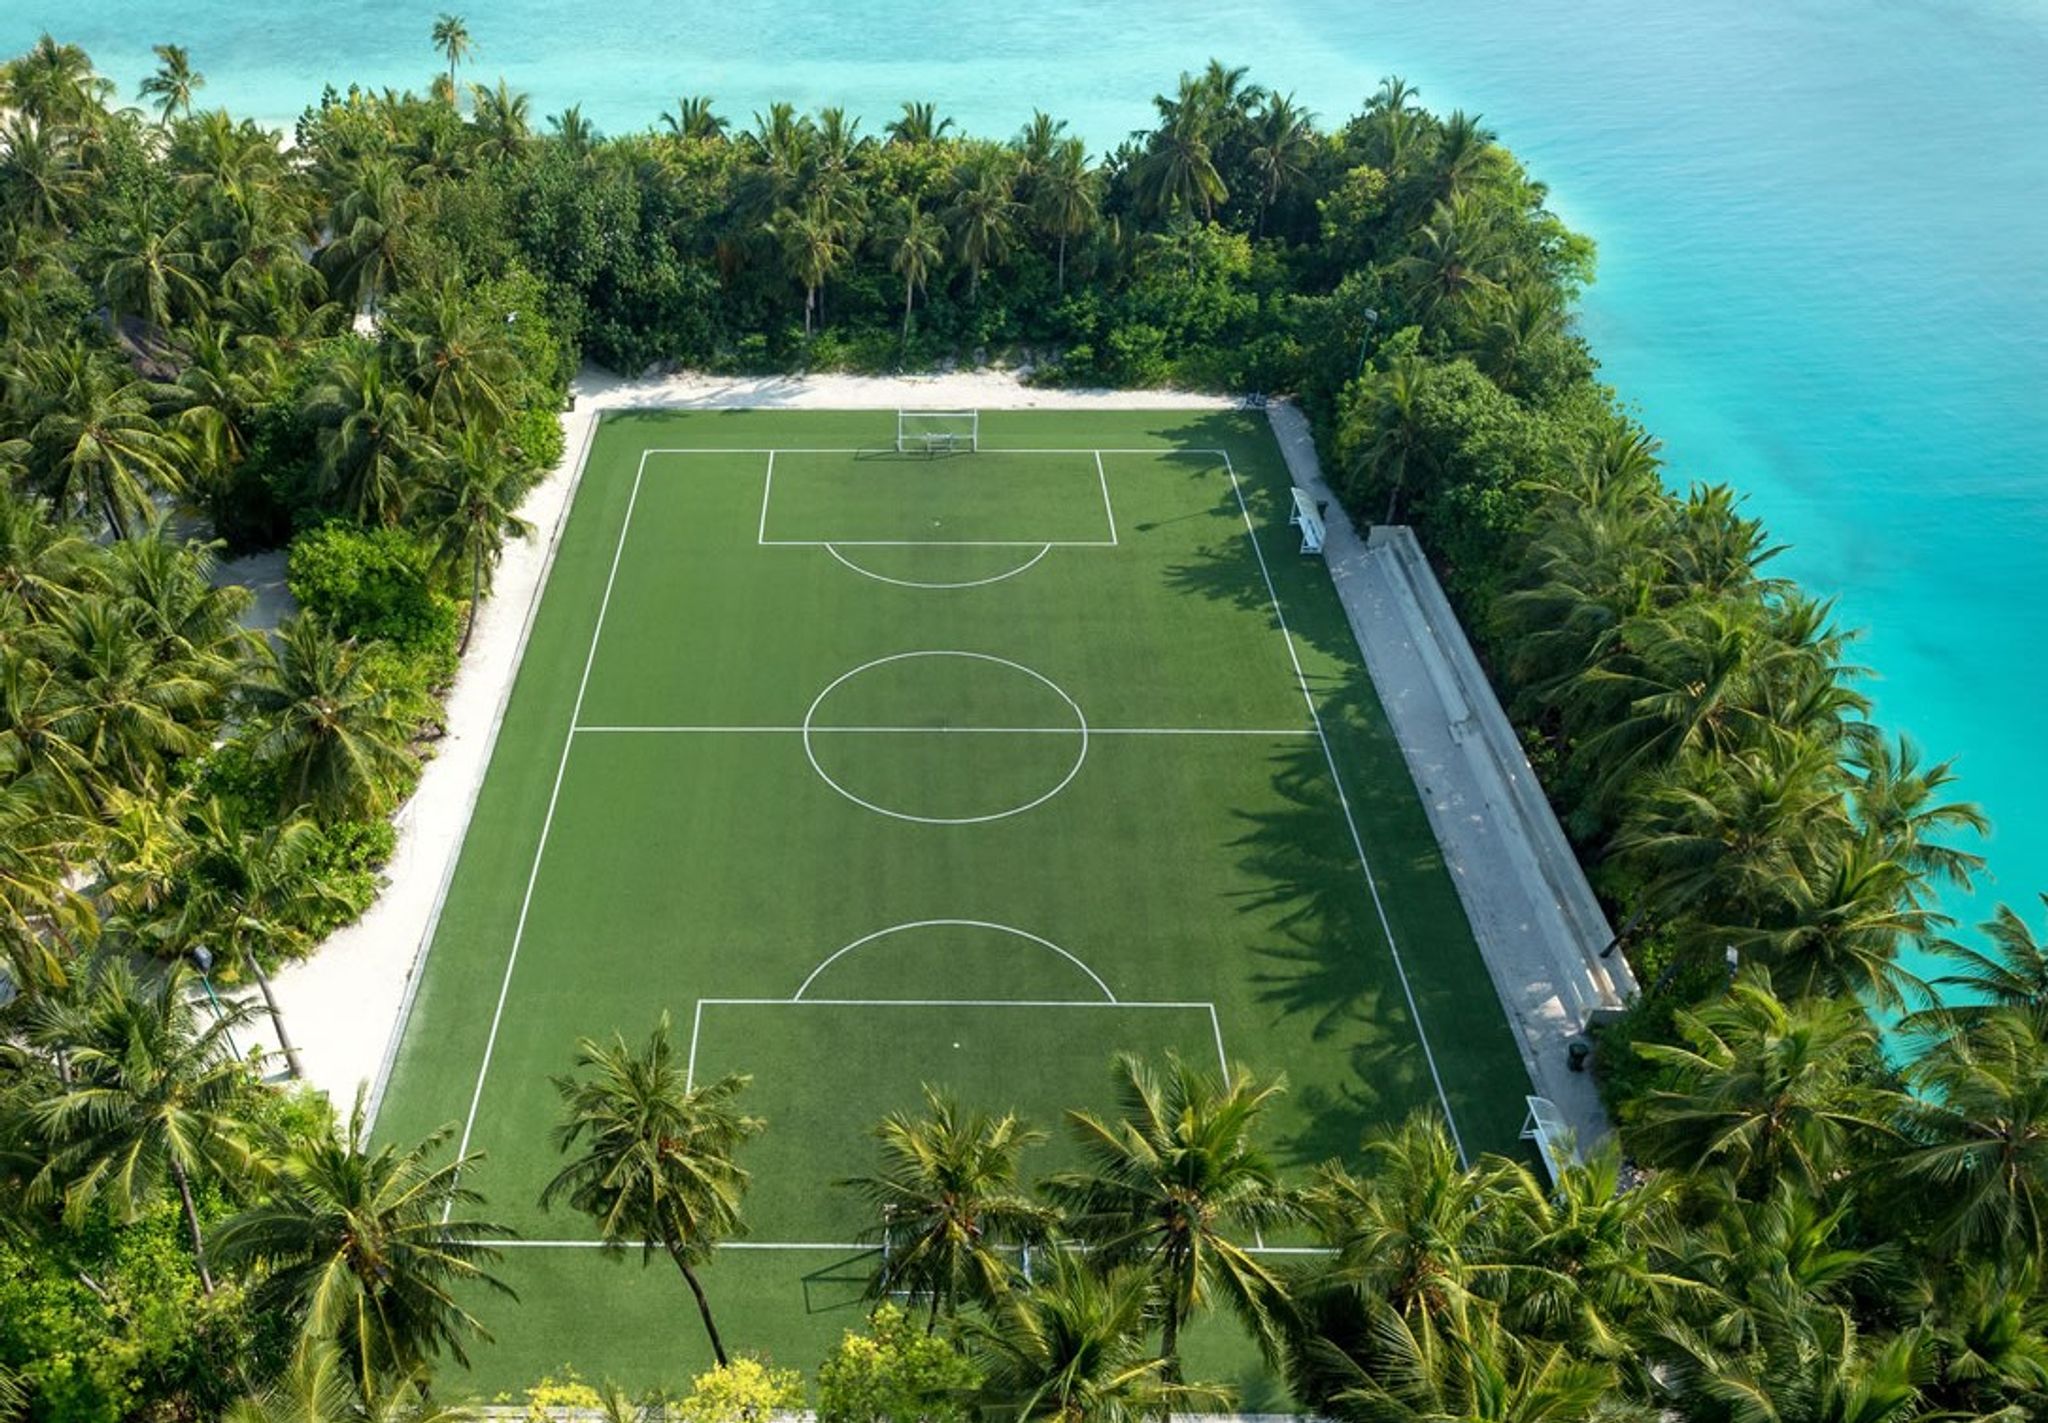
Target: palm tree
(1395, 442)
(154, 270)
(1417, 1229)
(149, 1093)
(364, 1250)
(694, 118)
(53, 84)
(2012, 974)
(1978, 1119)
(40, 170)
(1895, 801)
(1484, 1372)
(1284, 136)
(949, 1203)
(463, 368)
(173, 84)
(369, 436)
(97, 441)
(914, 253)
(338, 737)
(502, 121)
(368, 222)
(43, 916)
(471, 507)
(813, 250)
(1768, 1089)
(1178, 169)
(653, 1155)
(1066, 196)
(1452, 261)
(1178, 1168)
(917, 125)
(578, 135)
(317, 1388)
(451, 38)
(1072, 1349)
(984, 217)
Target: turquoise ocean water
(1823, 233)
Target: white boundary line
(767, 486)
(1108, 509)
(1350, 821)
(548, 820)
(1264, 731)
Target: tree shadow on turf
(1330, 960)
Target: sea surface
(1823, 234)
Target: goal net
(934, 431)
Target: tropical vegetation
(1829, 1196)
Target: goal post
(937, 431)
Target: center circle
(945, 737)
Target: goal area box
(938, 431)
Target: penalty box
(985, 498)
(825, 1072)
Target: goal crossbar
(930, 431)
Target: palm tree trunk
(703, 1305)
(192, 1224)
(909, 295)
(1061, 285)
(1169, 1342)
(476, 598)
(284, 1039)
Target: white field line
(878, 450)
(1108, 509)
(937, 543)
(1350, 821)
(548, 820)
(767, 486)
(1266, 731)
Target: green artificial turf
(1080, 794)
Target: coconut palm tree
(1415, 1227)
(984, 219)
(367, 1250)
(918, 125)
(369, 436)
(1178, 170)
(173, 84)
(40, 170)
(1452, 262)
(1896, 801)
(368, 221)
(1398, 445)
(316, 1388)
(1769, 1090)
(96, 441)
(149, 1094)
(470, 508)
(949, 1202)
(1284, 142)
(1978, 1121)
(1073, 1349)
(53, 83)
(813, 250)
(462, 367)
(914, 253)
(2012, 973)
(43, 916)
(503, 121)
(1168, 1183)
(130, 713)
(451, 38)
(651, 1156)
(694, 118)
(338, 738)
(1066, 198)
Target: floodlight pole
(202, 957)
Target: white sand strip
(345, 1004)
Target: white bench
(1308, 521)
(1546, 1127)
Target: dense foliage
(354, 347)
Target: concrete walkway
(1536, 920)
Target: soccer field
(874, 770)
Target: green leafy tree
(895, 1371)
(1173, 1182)
(367, 1249)
(651, 1157)
(950, 1206)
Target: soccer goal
(937, 431)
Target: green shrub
(372, 585)
(895, 1373)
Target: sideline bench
(1308, 521)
